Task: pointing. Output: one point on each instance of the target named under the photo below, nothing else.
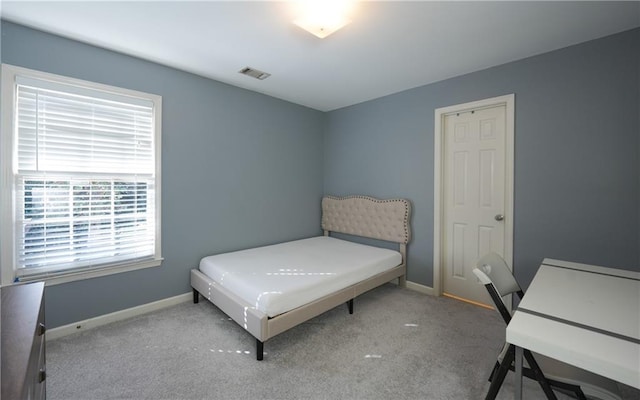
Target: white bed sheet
(278, 278)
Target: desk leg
(517, 394)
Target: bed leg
(350, 305)
(259, 350)
(196, 296)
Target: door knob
(499, 217)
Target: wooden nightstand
(23, 342)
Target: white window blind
(84, 178)
(66, 132)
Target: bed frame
(364, 216)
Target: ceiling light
(322, 18)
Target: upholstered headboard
(369, 217)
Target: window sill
(59, 278)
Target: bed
(268, 290)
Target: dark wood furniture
(23, 342)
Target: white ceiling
(390, 46)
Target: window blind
(85, 181)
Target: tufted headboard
(368, 217)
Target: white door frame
(438, 184)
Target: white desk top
(583, 315)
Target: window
(80, 177)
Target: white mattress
(281, 277)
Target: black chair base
(533, 372)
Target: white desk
(583, 315)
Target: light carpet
(398, 344)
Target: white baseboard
(417, 287)
(420, 288)
(116, 316)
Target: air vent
(254, 73)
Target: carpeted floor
(398, 344)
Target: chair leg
(529, 373)
(544, 383)
(568, 387)
(493, 372)
(499, 375)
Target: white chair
(494, 274)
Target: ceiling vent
(254, 73)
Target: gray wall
(234, 179)
(239, 169)
(576, 153)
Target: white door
(473, 197)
